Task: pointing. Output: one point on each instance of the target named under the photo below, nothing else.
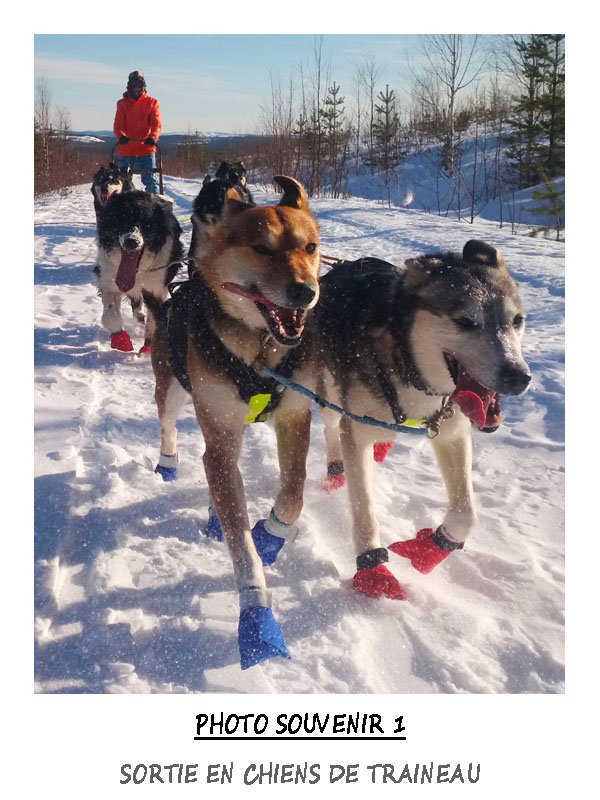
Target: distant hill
(166, 139)
(101, 143)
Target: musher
(138, 117)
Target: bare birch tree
(371, 73)
(453, 63)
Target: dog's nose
(515, 379)
(131, 244)
(301, 294)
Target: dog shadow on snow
(95, 653)
(176, 656)
(63, 347)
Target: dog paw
(259, 637)
(167, 473)
(335, 476)
(213, 528)
(423, 553)
(121, 341)
(333, 482)
(380, 450)
(378, 582)
(145, 350)
(267, 545)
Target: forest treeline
(491, 120)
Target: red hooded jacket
(137, 119)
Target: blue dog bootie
(259, 635)
(167, 467)
(213, 528)
(269, 537)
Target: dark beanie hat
(136, 76)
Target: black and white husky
(107, 182)
(139, 248)
(436, 342)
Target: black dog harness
(192, 303)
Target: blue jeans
(149, 179)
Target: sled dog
(107, 182)
(138, 247)
(235, 173)
(245, 305)
(437, 340)
(211, 199)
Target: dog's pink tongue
(472, 398)
(471, 406)
(130, 261)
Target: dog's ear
(112, 165)
(419, 270)
(234, 203)
(294, 195)
(207, 180)
(476, 252)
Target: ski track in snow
(131, 598)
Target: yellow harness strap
(257, 404)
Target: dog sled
(136, 171)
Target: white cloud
(78, 71)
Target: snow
(419, 183)
(131, 598)
(83, 138)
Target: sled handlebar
(157, 169)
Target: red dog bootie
(121, 341)
(374, 579)
(380, 450)
(335, 476)
(427, 550)
(145, 350)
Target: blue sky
(207, 82)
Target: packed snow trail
(130, 597)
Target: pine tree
(385, 132)
(385, 129)
(537, 138)
(554, 205)
(337, 135)
(333, 114)
(553, 104)
(524, 150)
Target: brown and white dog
(253, 282)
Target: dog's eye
(518, 320)
(466, 323)
(311, 247)
(260, 248)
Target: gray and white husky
(437, 340)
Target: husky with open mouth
(138, 247)
(439, 339)
(252, 287)
(107, 182)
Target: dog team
(256, 332)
